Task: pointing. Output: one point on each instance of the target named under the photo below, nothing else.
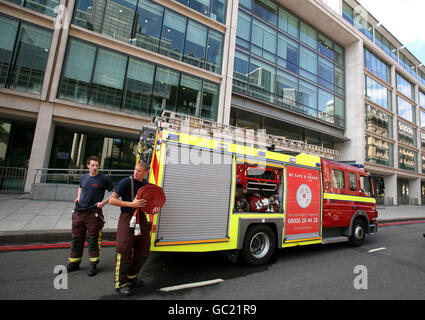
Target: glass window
(385, 45)
(366, 185)
(108, 80)
(326, 74)
(287, 53)
(308, 64)
(210, 101)
(339, 112)
(266, 10)
(407, 64)
(406, 134)
(326, 106)
(218, 10)
(139, 84)
(288, 22)
(308, 35)
(326, 46)
(352, 181)
(76, 80)
(70, 149)
(405, 87)
(377, 66)
(7, 41)
(338, 179)
(46, 7)
(116, 18)
(165, 89)
(379, 151)
(240, 72)
(377, 93)
(246, 4)
(173, 35)
(422, 99)
(308, 98)
(32, 51)
(86, 17)
(287, 90)
(407, 159)
(149, 23)
(378, 122)
(422, 115)
(214, 51)
(202, 6)
(347, 12)
(189, 95)
(195, 46)
(406, 110)
(339, 81)
(243, 32)
(262, 80)
(264, 41)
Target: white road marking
(191, 285)
(378, 249)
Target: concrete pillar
(415, 190)
(228, 62)
(354, 150)
(391, 187)
(42, 143)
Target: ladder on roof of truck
(260, 139)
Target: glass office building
(83, 78)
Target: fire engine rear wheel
(259, 245)
(358, 233)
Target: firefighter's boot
(125, 291)
(93, 270)
(72, 267)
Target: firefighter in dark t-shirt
(131, 251)
(88, 220)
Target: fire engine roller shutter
(198, 195)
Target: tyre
(259, 245)
(358, 233)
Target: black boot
(92, 270)
(72, 267)
(125, 291)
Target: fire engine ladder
(249, 137)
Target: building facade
(80, 77)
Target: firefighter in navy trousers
(132, 250)
(87, 219)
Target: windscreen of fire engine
(259, 188)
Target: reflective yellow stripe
(191, 242)
(344, 197)
(94, 259)
(132, 277)
(74, 259)
(117, 271)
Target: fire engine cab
(249, 193)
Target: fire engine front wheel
(358, 233)
(259, 245)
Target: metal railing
(72, 176)
(12, 179)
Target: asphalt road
(312, 272)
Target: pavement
(23, 220)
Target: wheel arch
(276, 224)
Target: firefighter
(132, 250)
(87, 218)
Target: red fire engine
(249, 193)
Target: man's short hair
(94, 158)
(143, 165)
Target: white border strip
(191, 285)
